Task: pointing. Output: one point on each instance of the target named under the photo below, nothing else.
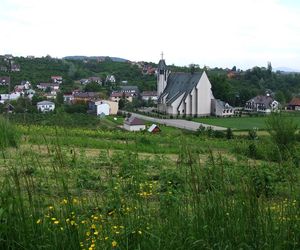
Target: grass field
(243, 123)
(100, 187)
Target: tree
(93, 87)
(122, 103)
(60, 98)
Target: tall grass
(61, 199)
(9, 136)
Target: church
(187, 94)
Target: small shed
(294, 104)
(134, 124)
(154, 129)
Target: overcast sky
(216, 33)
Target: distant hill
(286, 70)
(101, 58)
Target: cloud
(215, 32)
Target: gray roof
(162, 65)
(223, 105)
(45, 103)
(262, 99)
(180, 83)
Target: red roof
(294, 102)
(134, 121)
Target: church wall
(188, 108)
(194, 101)
(204, 96)
(175, 106)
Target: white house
(104, 107)
(57, 79)
(45, 106)
(10, 97)
(134, 124)
(111, 79)
(221, 109)
(183, 93)
(262, 104)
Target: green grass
(242, 123)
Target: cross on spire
(162, 55)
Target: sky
(215, 33)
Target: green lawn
(242, 123)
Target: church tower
(162, 76)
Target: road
(178, 123)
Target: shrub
(229, 134)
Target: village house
(57, 79)
(10, 97)
(262, 104)
(294, 104)
(15, 68)
(183, 94)
(3, 68)
(149, 95)
(134, 124)
(48, 86)
(68, 98)
(110, 79)
(95, 79)
(84, 81)
(25, 85)
(84, 97)
(153, 129)
(134, 90)
(103, 107)
(45, 106)
(221, 109)
(4, 80)
(117, 96)
(29, 93)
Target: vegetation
(9, 136)
(235, 89)
(97, 187)
(247, 122)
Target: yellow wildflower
(114, 244)
(96, 233)
(56, 222)
(38, 221)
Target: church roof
(180, 83)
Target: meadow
(244, 123)
(99, 187)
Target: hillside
(233, 86)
